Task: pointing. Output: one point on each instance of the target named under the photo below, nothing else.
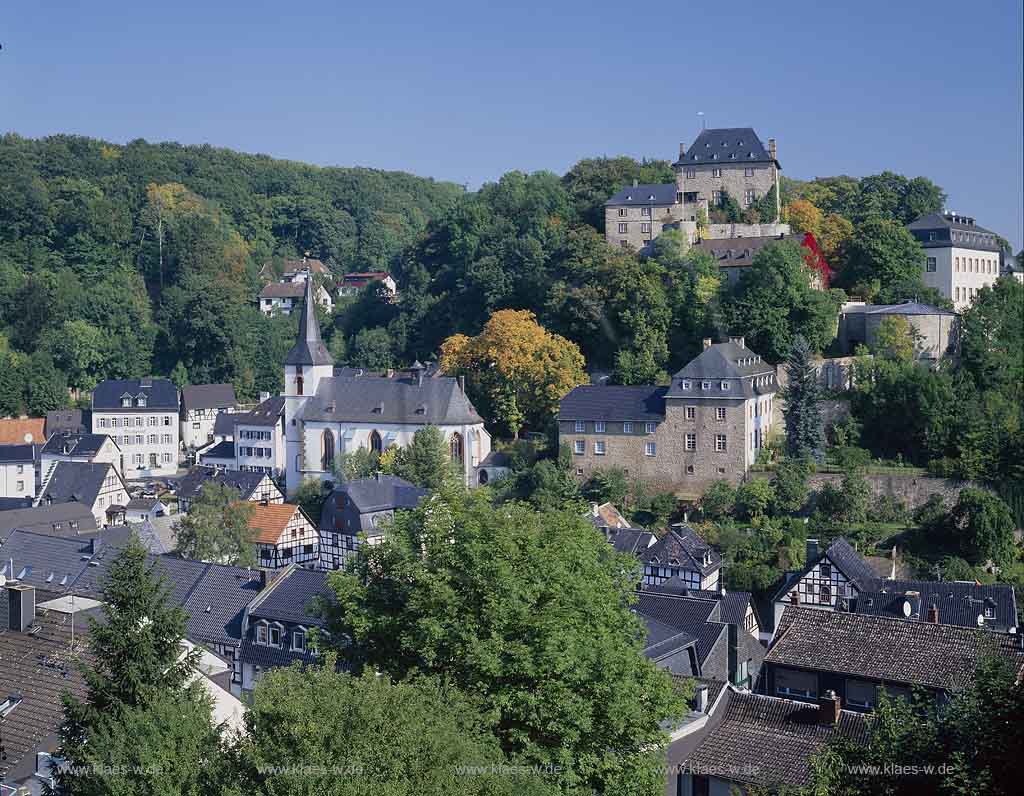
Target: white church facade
(329, 414)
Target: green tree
(12, 384)
(982, 525)
(528, 612)
(882, 262)
(310, 497)
(805, 429)
(607, 485)
(217, 529)
(360, 463)
(140, 708)
(46, 388)
(592, 181)
(372, 349)
(427, 461)
(895, 339)
(370, 736)
(718, 500)
(790, 484)
(754, 497)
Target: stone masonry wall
(733, 179)
(913, 490)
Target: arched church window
(376, 443)
(455, 445)
(327, 460)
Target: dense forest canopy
(143, 259)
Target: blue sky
(465, 91)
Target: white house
(200, 405)
(144, 510)
(962, 257)
(260, 439)
(98, 486)
(67, 446)
(327, 415)
(18, 471)
(142, 417)
(284, 535)
(283, 297)
(352, 284)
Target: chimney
(829, 708)
(391, 373)
(262, 579)
(740, 341)
(772, 152)
(635, 182)
(812, 551)
(419, 377)
(933, 614)
(682, 150)
(377, 475)
(701, 698)
(462, 383)
(264, 396)
(21, 606)
(707, 343)
(794, 598)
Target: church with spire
(331, 411)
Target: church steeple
(309, 348)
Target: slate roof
(739, 252)
(958, 603)
(733, 604)
(937, 230)
(158, 533)
(643, 195)
(268, 413)
(683, 547)
(17, 431)
(224, 423)
(225, 449)
(67, 443)
(267, 657)
(17, 454)
(642, 404)
(696, 618)
(207, 396)
(160, 394)
(725, 145)
(768, 741)
(216, 602)
(73, 420)
(374, 399)
(946, 221)
(664, 639)
(39, 668)
(849, 561)
(383, 492)
(43, 518)
(142, 504)
(14, 503)
(312, 264)
(289, 596)
(309, 348)
(52, 564)
(292, 290)
(75, 481)
(628, 540)
(269, 521)
(881, 648)
(906, 308)
(723, 362)
(191, 484)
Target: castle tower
(306, 364)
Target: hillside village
(677, 477)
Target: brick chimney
(829, 708)
(707, 343)
(933, 614)
(811, 551)
(772, 152)
(794, 598)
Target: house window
(623, 228)
(455, 446)
(167, 420)
(166, 458)
(579, 471)
(645, 228)
(580, 426)
(748, 172)
(689, 469)
(793, 683)
(327, 460)
(138, 439)
(599, 427)
(627, 428)
(298, 640)
(650, 427)
(725, 386)
(691, 174)
(645, 211)
(825, 594)
(930, 266)
(861, 694)
(126, 401)
(686, 384)
(989, 610)
(720, 413)
(691, 413)
(649, 449)
(599, 448)
(622, 212)
(691, 442)
(261, 634)
(623, 244)
(579, 447)
(376, 443)
(716, 172)
(716, 197)
(298, 384)
(719, 442)
(748, 198)
(825, 570)
(153, 460)
(275, 636)
(21, 486)
(679, 197)
(141, 401)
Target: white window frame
(579, 447)
(581, 426)
(650, 449)
(599, 427)
(691, 442)
(721, 443)
(650, 428)
(627, 427)
(599, 447)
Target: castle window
(599, 426)
(650, 427)
(716, 172)
(645, 228)
(748, 172)
(719, 442)
(327, 459)
(623, 228)
(645, 211)
(599, 448)
(580, 426)
(455, 446)
(622, 212)
(748, 197)
(579, 447)
(376, 443)
(649, 449)
(691, 413)
(691, 442)
(627, 428)
(720, 413)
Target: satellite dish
(907, 609)
(28, 436)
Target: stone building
(962, 257)
(707, 425)
(732, 160)
(141, 415)
(935, 329)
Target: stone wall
(912, 490)
(732, 177)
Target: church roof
(309, 348)
(437, 400)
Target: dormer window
(299, 640)
(275, 636)
(261, 633)
(140, 401)
(705, 385)
(686, 384)
(725, 385)
(990, 612)
(126, 400)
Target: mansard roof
(730, 362)
(159, 394)
(726, 146)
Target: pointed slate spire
(309, 349)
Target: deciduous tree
(216, 528)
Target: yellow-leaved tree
(516, 370)
(804, 217)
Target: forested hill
(120, 261)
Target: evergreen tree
(805, 430)
(427, 461)
(140, 710)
